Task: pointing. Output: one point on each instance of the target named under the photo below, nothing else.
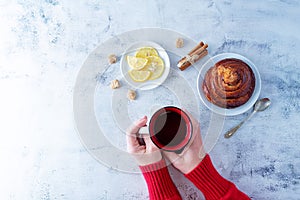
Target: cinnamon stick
(198, 51)
(186, 64)
(192, 51)
(196, 47)
(193, 56)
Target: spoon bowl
(262, 104)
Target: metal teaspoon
(260, 105)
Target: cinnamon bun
(229, 83)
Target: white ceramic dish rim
(150, 84)
(224, 111)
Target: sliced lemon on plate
(139, 75)
(156, 66)
(145, 52)
(136, 63)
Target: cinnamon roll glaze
(229, 83)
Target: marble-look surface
(43, 44)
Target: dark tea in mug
(170, 129)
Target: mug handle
(142, 131)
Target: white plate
(150, 84)
(232, 111)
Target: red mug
(170, 129)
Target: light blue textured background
(43, 45)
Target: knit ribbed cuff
(208, 180)
(154, 166)
(159, 182)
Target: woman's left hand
(144, 154)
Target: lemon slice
(136, 63)
(145, 52)
(139, 76)
(156, 66)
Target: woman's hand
(192, 154)
(146, 153)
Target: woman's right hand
(193, 153)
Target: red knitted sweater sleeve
(159, 182)
(213, 186)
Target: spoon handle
(229, 133)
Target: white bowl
(150, 84)
(228, 111)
